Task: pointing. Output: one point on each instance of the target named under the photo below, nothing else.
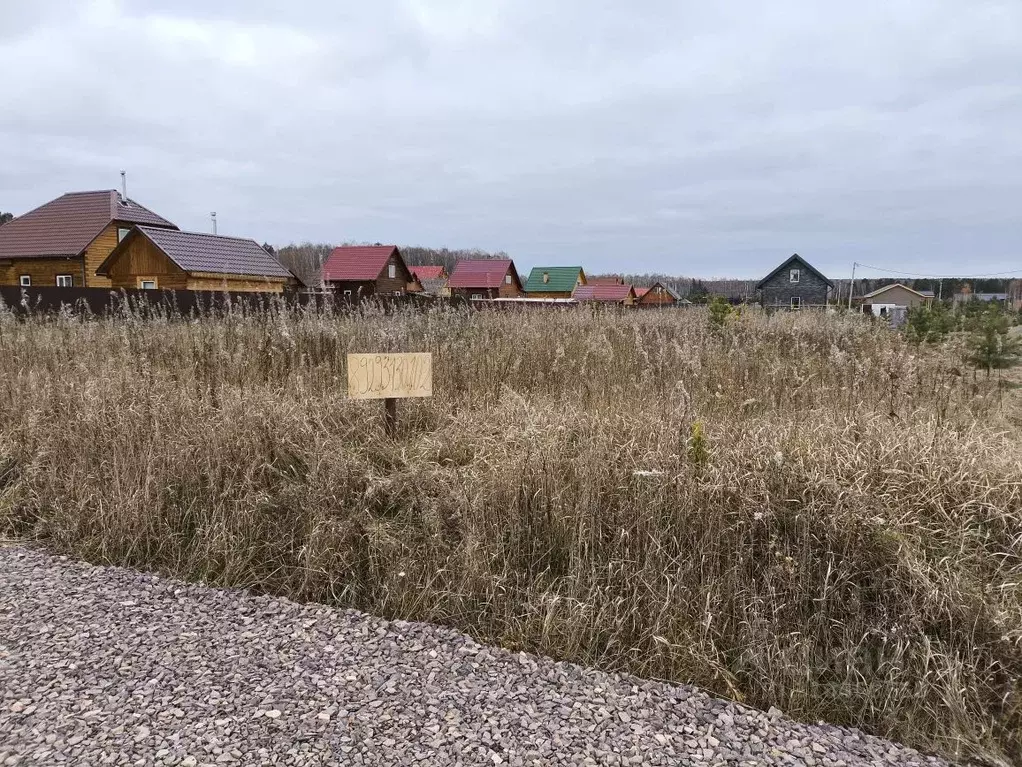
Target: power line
(939, 276)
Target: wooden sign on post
(388, 377)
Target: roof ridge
(165, 230)
(86, 191)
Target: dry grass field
(800, 510)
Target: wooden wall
(237, 283)
(399, 284)
(43, 271)
(143, 260)
(514, 290)
(469, 292)
(97, 253)
(549, 294)
(652, 297)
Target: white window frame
(347, 294)
(122, 232)
(65, 281)
(507, 279)
(25, 280)
(143, 283)
(794, 275)
(477, 296)
(796, 302)
(392, 271)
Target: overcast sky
(701, 138)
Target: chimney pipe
(124, 185)
(212, 215)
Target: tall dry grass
(798, 510)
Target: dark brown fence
(186, 303)
(104, 301)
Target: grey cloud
(686, 137)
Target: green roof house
(554, 281)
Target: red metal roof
(480, 273)
(640, 292)
(66, 226)
(357, 263)
(602, 292)
(428, 272)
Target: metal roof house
(889, 298)
(658, 294)
(607, 293)
(63, 242)
(554, 281)
(429, 272)
(154, 258)
(359, 271)
(479, 278)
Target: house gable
(795, 261)
(794, 284)
(656, 294)
(136, 259)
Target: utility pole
(851, 285)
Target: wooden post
(390, 416)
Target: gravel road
(110, 666)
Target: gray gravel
(110, 666)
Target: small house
(479, 278)
(554, 281)
(891, 299)
(429, 272)
(167, 259)
(657, 294)
(63, 242)
(966, 295)
(607, 293)
(795, 284)
(358, 271)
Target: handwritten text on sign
(386, 376)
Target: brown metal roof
(66, 226)
(198, 252)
